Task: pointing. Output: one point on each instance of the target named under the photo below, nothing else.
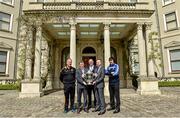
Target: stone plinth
(148, 86)
(31, 88)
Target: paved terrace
(51, 105)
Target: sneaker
(73, 109)
(65, 110)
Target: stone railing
(94, 6)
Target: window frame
(10, 22)
(7, 62)
(166, 23)
(170, 60)
(12, 2)
(164, 3)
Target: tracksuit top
(113, 72)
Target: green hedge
(9, 87)
(169, 84)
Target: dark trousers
(90, 89)
(81, 91)
(100, 100)
(69, 92)
(114, 96)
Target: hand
(84, 83)
(95, 74)
(83, 75)
(94, 83)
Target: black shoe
(86, 110)
(116, 111)
(111, 108)
(101, 113)
(78, 111)
(95, 110)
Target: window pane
(175, 66)
(2, 68)
(132, 0)
(6, 1)
(5, 17)
(170, 17)
(171, 25)
(3, 56)
(175, 55)
(4, 26)
(40, 0)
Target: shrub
(169, 84)
(9, 87)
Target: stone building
(9, 13)
(131, 31)
(168, 12)
(51, 31)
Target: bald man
(67, 77)
(90, 88)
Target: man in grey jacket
(99, 88)
(81, 87)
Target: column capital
(107, 25)
(140, 26)
(148, 26)
(73, 25)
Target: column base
(129, 82)
(106, 88)
(31, 88)
(148, 86)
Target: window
(5, 21)
(41, 0)
(166, 2)
(133, 1)
(3, 62)
(175, 60)
(171, 21)
(10, 2)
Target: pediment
(172, 44)
(5, 45)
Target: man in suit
(99, 88)
(67, 77)
(90, 88)
(81, 87)
(113, 72)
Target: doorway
(86, 59)
(88, 53)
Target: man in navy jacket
(113, 72)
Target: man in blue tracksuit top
(113, 72)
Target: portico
(53, 36)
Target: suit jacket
(100, 77)
(79, 78)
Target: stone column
(149, 47)
(107, 54)
(37, 61)
(107, 49)
(142, 51)
(146, 86)
(33, 88)
(73, 44)
(28, 62)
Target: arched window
(65, 55)
(89, 50)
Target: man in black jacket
(67, 76)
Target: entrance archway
(88, 53)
